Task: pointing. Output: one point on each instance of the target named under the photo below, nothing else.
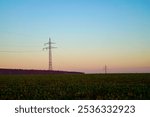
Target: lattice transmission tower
(50, 52)
(105, 69)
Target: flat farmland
(75, 86)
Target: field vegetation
(75, 86)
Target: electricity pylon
(105, 68)
(50, 52)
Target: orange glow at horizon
(74, 62)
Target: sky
(89, 34)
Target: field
(75, 86)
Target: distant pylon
(105, 69)
(50, 52)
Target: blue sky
(88, 33)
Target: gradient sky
(88, 34)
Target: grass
(75, 86)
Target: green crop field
(75, 86)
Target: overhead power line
(19, 51)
